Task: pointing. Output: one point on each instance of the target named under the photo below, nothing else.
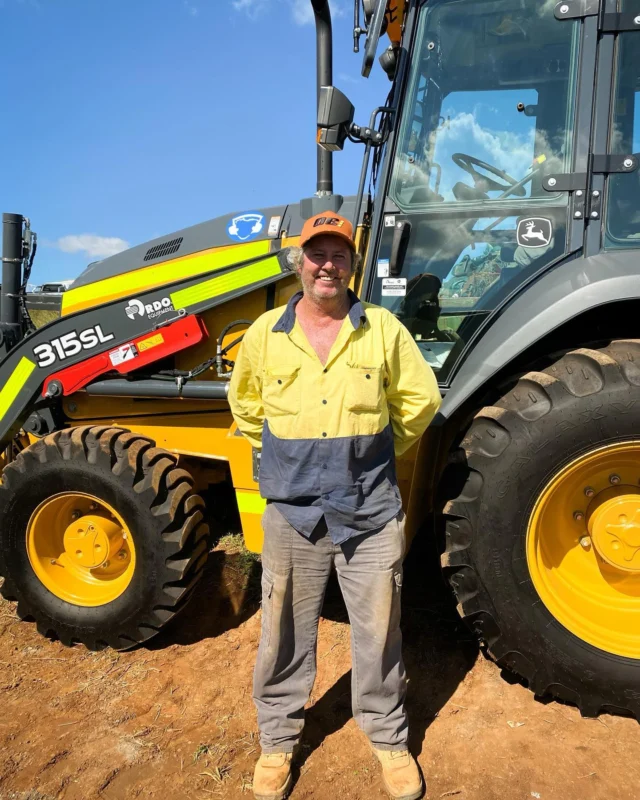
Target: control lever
(401, 234)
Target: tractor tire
(140, 509)
(544, 564)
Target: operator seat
(425, 194)
(466, 194)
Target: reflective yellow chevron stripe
(243, 276)
(141, 280)
(250, 502)
(17, 380)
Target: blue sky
(129, 119)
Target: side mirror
(335, 117)
(375, 14)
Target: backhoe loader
(498, 212)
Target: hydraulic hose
(201, 390)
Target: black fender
(565, 292)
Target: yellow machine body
(203, 433)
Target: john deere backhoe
(502, 226)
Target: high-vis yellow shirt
(328, 432)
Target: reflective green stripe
(250, 503)
(166, 272)
(17, 380)
(244, 276)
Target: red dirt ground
(174, 719)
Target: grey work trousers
(294, 578)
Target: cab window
(489, 112)
(623, 202)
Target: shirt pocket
(281, 391)
(364, 391)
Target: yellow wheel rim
(583, 548)
(81, 549)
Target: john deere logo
(534, 232)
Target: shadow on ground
(438, 651)
(438, 648)
(228, 593)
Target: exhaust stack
(324, 198)
(324, 69)
(10, 325)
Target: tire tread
(576, 373)
(168, 490)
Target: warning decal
(152, 341)
(125, 352)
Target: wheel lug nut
(53, 561)
(585, 542)
(75, 514)
(614, 479)
(578, 516)
(93, 507)
(589, 492)
(122, 555)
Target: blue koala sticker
(245, 226)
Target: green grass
(201, 751)
(243, 559)
(41, 318)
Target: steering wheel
(483, 182)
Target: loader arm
(106, 329)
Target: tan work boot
(272, 776)
(400, 774)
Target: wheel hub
(81, 549)
(92, 541)
(583, 547)
(614, 527)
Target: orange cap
(327, 222)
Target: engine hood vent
(164, 249)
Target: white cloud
(346, 78)
(509, 151)
(190, 8)
(301, 10)
(92, 245)
(252, 8)
(506, 150)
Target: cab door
(491, 108)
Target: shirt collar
(286, 322)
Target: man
(328, 388)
